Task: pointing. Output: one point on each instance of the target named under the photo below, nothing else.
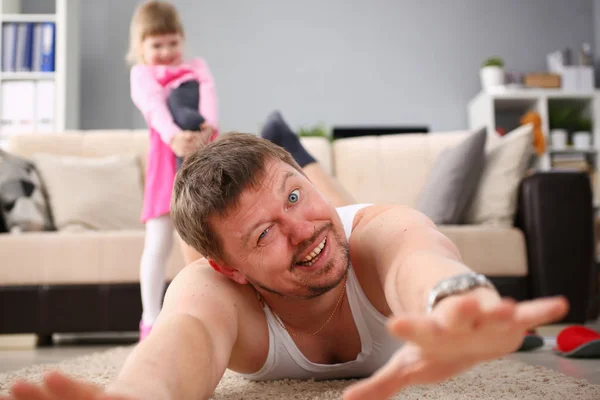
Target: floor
(18, 351)
(70, 347)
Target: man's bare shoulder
(199, 286)
(378, 228)
(200, 291)
(402, 215)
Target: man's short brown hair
(211, 181)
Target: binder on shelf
(21, 47)
(44, 106)
(10, 110)
(24, 43)
(36, 53)
(28, 47)
(48, 46)
(18, 107)
(9, 41)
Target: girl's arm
(148, 96)
(208, 93)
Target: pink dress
(150, 87)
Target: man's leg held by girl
(279, 132)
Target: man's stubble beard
(314, 289)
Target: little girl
(178, 101)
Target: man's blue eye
(294, 196)
(263, 234)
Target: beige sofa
(88, 281)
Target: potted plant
(319, 130)
(492, 73)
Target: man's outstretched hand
(459, 333)
(58, 386)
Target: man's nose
(298, 229)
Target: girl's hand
(184, 143)
(203, 138)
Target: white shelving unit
(28, 17)
(66, 63)
(505, 107)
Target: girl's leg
(279, 132)
(157, 247)
(328, 185)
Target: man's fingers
(27, 391)
(530, 314)
(418, 329)
(501, 313)
(459, 314)
(67, 388)
(388, 380)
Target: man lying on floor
(299, 289)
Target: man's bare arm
(409, 253)
(411, 256)
(189, 348)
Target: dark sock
(178, 163)
(278, 132)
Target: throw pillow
(506, 160)
(453, 180)
(23, 203)
(96, 193)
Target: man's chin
(322, 284)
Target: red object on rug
(578, 341)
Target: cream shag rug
(501, 379)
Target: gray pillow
(453, 180)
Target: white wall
(336, 61)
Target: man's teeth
(312, 256)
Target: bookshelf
(35, 99)
(504, 108)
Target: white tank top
(285, 360)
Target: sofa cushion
(507, 157)
(389, 169)
(489, 250)
(76, 258)
(95, 193)
(88, 143)
(453, 180)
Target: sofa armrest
(555, 212)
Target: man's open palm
(57, 386)
(457, 335)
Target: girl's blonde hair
(149, 19)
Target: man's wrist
(486, 297)
(457, 285)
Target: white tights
(157, 247)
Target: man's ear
(228, 271)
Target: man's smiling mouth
(314, 255)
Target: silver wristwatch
(456, 285)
